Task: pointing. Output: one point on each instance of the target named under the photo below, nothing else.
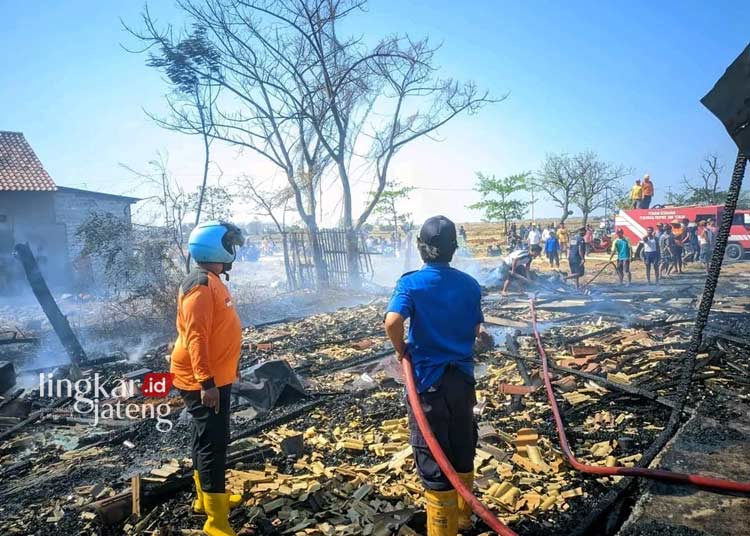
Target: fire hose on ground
(656, 474)
(442, 460)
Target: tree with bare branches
(173, 204)
(559, 178)
(389, 210)
(214, 202)
(705, 190)
(273, 204)
(300, 97)
(598, 184)
(191, 99)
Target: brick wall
(73, 209)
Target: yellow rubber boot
(198, 508)
(217, 510)
(464, 508)
(442, 513)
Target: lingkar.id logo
(93, 398)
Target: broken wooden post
(58, 320)
(135, 487)
(7, 376)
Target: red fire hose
(445, 465)
(656, 474)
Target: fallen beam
(19, 340)
(625, 388)
(33, 418)
(628, 389)
(58, 320)
(11, 397)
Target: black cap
(439, 232)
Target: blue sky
(621, 78)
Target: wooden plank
(505, 322)
(135, 486)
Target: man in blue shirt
(444, 309)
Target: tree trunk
(206, 162)
(352, 257)
(321, 270)
(397, 243)
(287, 264)
(585, 217)
(352, 248)
(566, 209)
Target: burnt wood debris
(337, 460)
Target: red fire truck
(635, 222)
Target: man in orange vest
(647, 191)
(204, 363)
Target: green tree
(498, 203)
(387, 207)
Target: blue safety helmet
(215, 241)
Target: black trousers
(449, 407)
(210, 438)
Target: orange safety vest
(209, 334)
(648, 188)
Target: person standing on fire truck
(445, 312)
(205, 362)
(647, 191)
(636, 193)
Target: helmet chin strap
(225, 269)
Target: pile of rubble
(337, 460)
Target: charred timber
(58, 320)
(114, 509)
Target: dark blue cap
(439, 232)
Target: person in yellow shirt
(636, 193)
(204, 362)
(563, 237)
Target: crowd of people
(387, 246)
(665, 250)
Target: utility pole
(606, 203)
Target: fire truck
(635, 222)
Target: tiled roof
(20, 169)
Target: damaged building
(35, 210)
